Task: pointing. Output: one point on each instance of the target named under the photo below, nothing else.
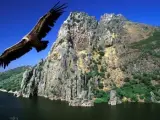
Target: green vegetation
(11, 79)
(140, 85)
(95, 72)
(149, 45)
(101, 53)
(101, 96)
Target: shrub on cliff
(101, 96)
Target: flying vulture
(34, 37)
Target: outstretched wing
(47, 21)
(14, 52)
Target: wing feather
(14, 52)
(47, 21)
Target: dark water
(12, 108)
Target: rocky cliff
(91, 56)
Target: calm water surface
(12, 108)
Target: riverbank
(113, 99)
(15, 93)
(77, 102)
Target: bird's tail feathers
(42, 45)
(3, 63)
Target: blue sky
(18, 17)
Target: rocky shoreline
(15, 93)
(75, 103)
(114, 100)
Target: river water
(12, 108)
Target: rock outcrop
(113, 98)
(87, 55)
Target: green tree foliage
(94, 72)
(140, 85)
(11, 79)
(101, 96)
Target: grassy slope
(149, 45)
(11, 79)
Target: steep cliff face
(89, 55)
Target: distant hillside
(11, 79)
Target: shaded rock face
(82, 43)
(113, 98)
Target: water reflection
(44, 109)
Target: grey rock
(153, 98)
(113, 98)
(62, 75)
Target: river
(12, 108)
